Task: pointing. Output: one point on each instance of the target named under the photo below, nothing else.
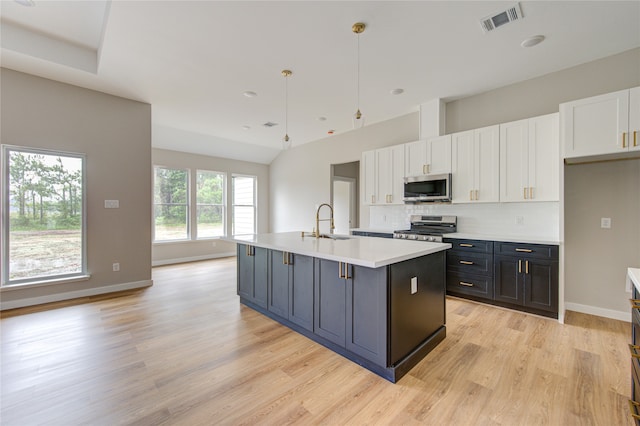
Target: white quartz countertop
(370, 252)
(633, 278)
(506, 239)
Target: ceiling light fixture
(358, 119)
(532, 41)
(286, 142)
(397, 91)
(250, 94)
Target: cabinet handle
(531, 192)
(524, 192)
(471, 195)
(373, 199)
(340, 275)
(428, 168)
(346, 271)
(466, 284)
(519, 266)
(526, 267)
(521, 250)
(289, 258)
(634, 351)
(465, 245)
(635, 303)
(635, 139)
(633, 408)
(476, 195)
(424, 169)
(624, 139)
(466, 262)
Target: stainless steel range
(428, 228)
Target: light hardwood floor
(185, 352)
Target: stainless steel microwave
(427, 188)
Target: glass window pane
(45, 198)
(171, 212)
(170, 222)
(243, 190)
(170, 186)
(209, 187)
(210, 221)
(243, 220)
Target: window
(171, 204)
(210, 202)
(244, 205)
(44, 230)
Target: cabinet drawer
(474, 285)
(522, 250)
(470, 263)
(478, 246)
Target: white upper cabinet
(390, 168)
(475, 165)
(382, 173)
(602, 126)
(530, 159)
(432, 156)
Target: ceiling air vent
(499, 19)
(270, 124)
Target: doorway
(344, 196)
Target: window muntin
(210, 204)
(244, 205)
(44, 221)
(171, 204)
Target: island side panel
(414, 317)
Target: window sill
(199, 240)
(44, 283)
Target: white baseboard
(601, 312)
(192, 259)
(31, 301)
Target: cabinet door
(634, 119)
(245, 272)
(487, 171)
(415, 158)
(462, 167)
(389, 174)
(301, 291)
(544, 158)
(439, 155)
(595, 125)
(514, 161)
(278, 283)
(541, 285)
(397, 174)
(260, 276)
(366, 313)
(368, 177)
(508, 285)
(330, 302)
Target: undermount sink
(329, 236)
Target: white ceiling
(192, 60)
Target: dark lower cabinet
(470, 268)
(252, 274)
(634, 348)
(330, 302)
(290, 284)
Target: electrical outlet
(605, 223)
(519, 220)
(116, 267)
(414, 285)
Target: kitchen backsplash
(540, 220)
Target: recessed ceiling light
(322, 118)
(397, 91)
(246, 127)
(330, 131)
(270, 124)
(532, 41)
(250, 94)
(27, 3)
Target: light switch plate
(605, 223)
(414, 285)
(111, 204)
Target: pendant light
(358, 119)
(286, 142)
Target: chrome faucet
(318, 220)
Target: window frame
(5, 203)
(223, 205)
(187, 205)
(254, 205)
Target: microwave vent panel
(501, 18)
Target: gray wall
(115, 135)
(164, 253)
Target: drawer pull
(465, 245)
(633, 408)
(466, 284)
(521, 250)
(634, 351)
(519, 266)
(466, 262)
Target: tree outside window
(210, 205)
(171, 208)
